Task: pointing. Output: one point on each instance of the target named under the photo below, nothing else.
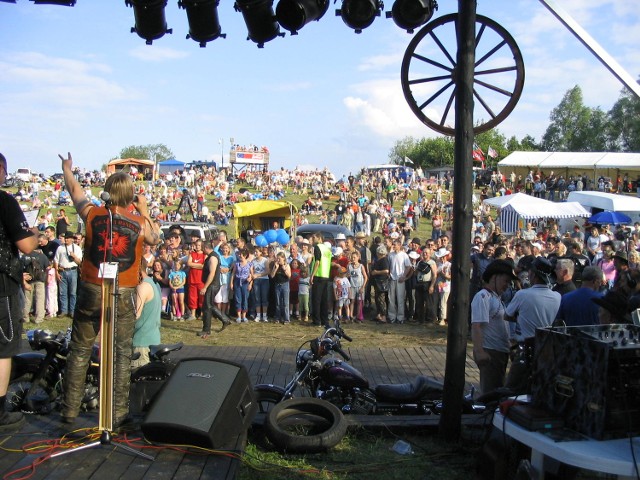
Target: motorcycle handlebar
(342, 353)
(345, 336)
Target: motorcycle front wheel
(305, 425)
(39, 401)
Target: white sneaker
(239, 320)
(244, 320)
(265, 318)
(257, 319)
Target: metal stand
(109, 275)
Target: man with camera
(66, 262)
(34, 267)
(15, 235)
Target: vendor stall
(260, 215)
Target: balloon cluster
(272, 236)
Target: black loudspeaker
(206, 402)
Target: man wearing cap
(489, 331)
(531, 308)
(66, 261)
(341, 240)
(621, 264)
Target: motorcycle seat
(419, 387)
(159, 351)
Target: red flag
(478, 156)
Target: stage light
(410, 14)
(204, 24)
(359, 14)
(64, 3)
(260, 19)
(151, 22)
(295, 14)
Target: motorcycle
(37, 377)
(324, 376)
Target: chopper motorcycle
(37, 377)
(323, 375)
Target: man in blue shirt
(576, 308)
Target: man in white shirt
(400, 270)
(66, 262)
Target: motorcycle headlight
(303, 357)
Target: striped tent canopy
(519, 206)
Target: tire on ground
(322, 425)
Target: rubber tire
(328, 420)
(25, 382)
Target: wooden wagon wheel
(429, 70)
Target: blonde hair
(120, 188)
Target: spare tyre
(305, 425)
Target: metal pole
(450, 421)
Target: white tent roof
(532, 207)
(606, 201)
(591, 160)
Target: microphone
(105, 197)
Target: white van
(597, 202)
(23, 174)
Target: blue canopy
(170, 165)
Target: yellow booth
(258, 216)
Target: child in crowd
(241, 282)
(357, 280)
(177, 280)
(294, 285)
(341, 287)
(281, 275)
(303, 293)
(51, 293)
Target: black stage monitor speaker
(206, 402)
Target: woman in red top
(195, 284)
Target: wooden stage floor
(27, 448)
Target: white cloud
(156, 53)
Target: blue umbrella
(612, 218)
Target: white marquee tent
(520, 206)
(570, 163)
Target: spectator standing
(426, 294)
(400, 271)
(281, 274)
(62, 223)
(576, 308)
(195, 283)
(489, 331)
(67, 259)
(35, 268)
(146, 330)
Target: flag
(492, 153)
(408, 160)
(478, 154)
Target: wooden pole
(450, 421)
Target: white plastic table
(607, 456)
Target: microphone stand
(109, 275)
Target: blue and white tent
(519, 207)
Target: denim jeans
(241, 294)
(67, 290)
(282, 302)
(261, 291)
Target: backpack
(34, 267)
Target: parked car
(206, 231)
(23, 174)
(329, 231)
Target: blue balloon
(283, 237)
(281, 231)
(271, 236)
(261, 241)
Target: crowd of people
(384, 273)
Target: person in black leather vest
(15, 235)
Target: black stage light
(359, 14)
(204, 24)
(260, 19)
(64, 3)
(295, 14)
(151, 22)
(410, 14)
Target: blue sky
(75, 79)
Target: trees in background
(573, 127)
(158, 152)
